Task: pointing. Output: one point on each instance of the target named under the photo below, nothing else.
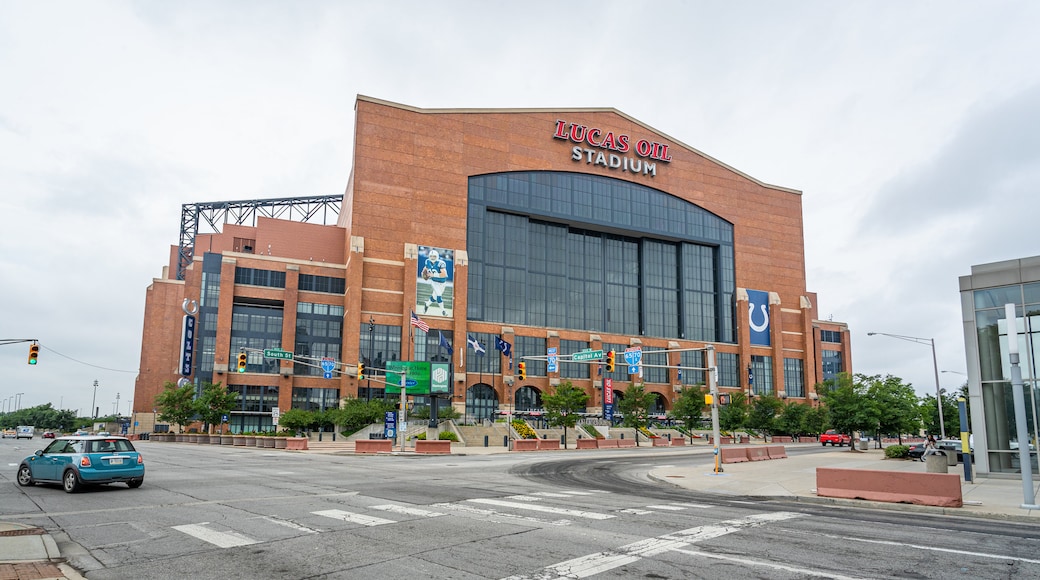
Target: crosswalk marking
(353, 517)
(672, 508)
(400, 509)
(219, 539)
(589, 565)
(290, 525)
(542, 508)
(636, 511)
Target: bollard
(563, 440)
(485, 440)
(669, 437)
(622, 435)
(505, 441)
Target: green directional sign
(587, 355)
(277, 353)
(416, 376)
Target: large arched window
(569, 250)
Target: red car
(835, 438)
(48, 434)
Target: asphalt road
(226, 512)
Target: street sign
(550, 359)
(277, 353)
(587, 355)
(328, 365)
(633, 355)
(390, 425)
(275, 415)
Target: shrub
(420, 436)
(897, 451)
(448, 436)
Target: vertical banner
(440, 378)
(608, 399)
(187, 344)
(758, 317)
(435, 282)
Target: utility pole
(713, 388)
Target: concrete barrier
(936, 489)
(626, 443)
(548, 444)
(294, 443)
(525, 444)
(438, 447)
(373, 446)
(777, 452)
(757, 453)
(588, 444)
(607, 443)
(733, 454)
(660, 442)
(678, 441)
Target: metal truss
(245, 212)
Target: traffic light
(34, 353)
(521, 370)
(241, 362)
(360, 370)
(610, 361)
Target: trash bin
(862, 444)
(937, 463)
(951, 457)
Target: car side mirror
(39, 452)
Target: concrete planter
(296, 443)
(280, 442)
(265, 442)
(239, 440)
(191, 438)
(227, 439)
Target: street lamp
(93, 401)
(935, 364)
(18, 401)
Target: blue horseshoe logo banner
(758, 317)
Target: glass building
(984, 295)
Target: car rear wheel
(135, 483)
(25, 478)
(70, 482)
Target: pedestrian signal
(241, 362)
(610, 361)
(360, 370)
(724, 399)
(521, 370)
(34, 353)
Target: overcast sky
(910, 127)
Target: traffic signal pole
(713, 388)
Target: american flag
(416, 321)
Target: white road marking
(219, 539)
(500, 515)
(353, 517)
(290, 525)
(673, 508)
(528, 497)
(937, 549)
(542, 508)
(549, 494)
(400, 509)
(695, 505)
(597, 563)
(636, 511)
(749, 562)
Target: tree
(849, 407)
(564, 405)
(734, 415)
(792, 419)
(215, 403)
(762, 414)
(634, 406)
(951, 414)
(356, 414)
(689, 407)
(896, 403)
(297, 420)
(176, 404)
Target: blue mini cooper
(76, 461)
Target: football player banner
(435, 282)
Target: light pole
(371, 348)
(935, 364)
(93, 401)
(18, 401)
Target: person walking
(929, 447)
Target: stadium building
(528, 234)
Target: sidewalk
(29, 553)
(795, 478)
